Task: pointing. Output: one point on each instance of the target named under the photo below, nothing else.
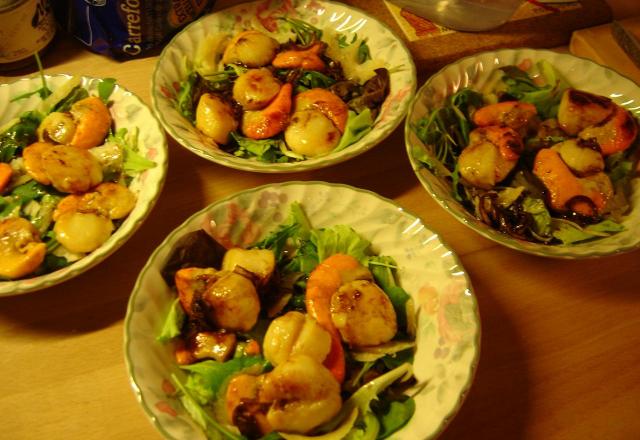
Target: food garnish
(533, 157)
(64, 178)
(304, 333)
(285, 96)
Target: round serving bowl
(127, 111)
(384, 45)
(448, 330)
(474, 71)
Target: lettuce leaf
(173, 322)
(358, 125)
(340, 239)
(398, 415)
(208, 377)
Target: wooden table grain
(560, 351)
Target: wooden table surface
(560, 351)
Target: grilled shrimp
(255, 89)
(93, 121)
(107, 199)
(323, 282)
(329, 104)
(302, 395)
(21, 250)
(70, 169)
(233, 302)
(519, 116)
(250, 48)
(363, 314)
(215, 118)
(85, 126)
(587, 196)
(271, 120)
(295, 333)
(491, 155)
(308, 59)
(614, 134)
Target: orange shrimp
(614, 134)
(271, 120)
(93, 121)
(308, 59)
(323, 282)
(517, 115)
(5, 175)
(566, 191)
(329, 104)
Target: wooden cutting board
(597, 44)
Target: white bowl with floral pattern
(474, 72)
(127, 111)
(448, 329)
(385, 48)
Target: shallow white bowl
(473, 71)
(383, 44)
(127, 111)
(448, 331)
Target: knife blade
(627, 41)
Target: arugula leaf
(76, 94)
(19, 135)
(367, 428)
(214, 430)
(305, 33)
(364, 54)
(173, 322)
(446, 129)
(105, 88)
(185, 97)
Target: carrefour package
(127, 28)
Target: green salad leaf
(105, 88)
(173, 322)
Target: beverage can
(26, 27)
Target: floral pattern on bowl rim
(448, 325)
(383, 44)
(128, 111)
(474, 71)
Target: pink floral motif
(237, 218)
(164, 407)
(433, 303)
(168, 388)
(390, 104)
(267, 16)
(166, 92)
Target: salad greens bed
(26, 198)
(516, 206)
(364, 100)
(375, 403)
